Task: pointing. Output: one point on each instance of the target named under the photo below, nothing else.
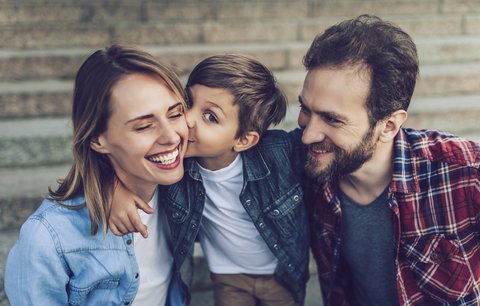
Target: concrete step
(160, 31)
(53, 97)
(109, 12)
(434, 80)
(32, 142)
(63, 63)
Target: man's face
(335, 121)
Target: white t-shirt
(228, 237)
(154, 257)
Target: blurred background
(43, 43)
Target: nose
(168, 134)
(190, 119)
(312, 131)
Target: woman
(128, 126)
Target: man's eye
(210, 117)
(143, 127)
(303, 109)
(332, 120)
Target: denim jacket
(271, 195)
(56, 261)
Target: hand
(124, 217)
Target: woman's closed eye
(143, 127)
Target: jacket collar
(254, 166)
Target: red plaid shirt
(435, 198)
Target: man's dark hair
(385, 50)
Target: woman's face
(146, 136)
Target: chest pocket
(102, 291)
(439, 265)
(288, 213)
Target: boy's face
(213, 124)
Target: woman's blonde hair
(92, 174)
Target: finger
(141, 204)
(136, 221)
(114, 230)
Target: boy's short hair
(254, 88)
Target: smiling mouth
(164, 159)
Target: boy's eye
(210, 117)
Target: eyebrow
(323, 113)
(151, 115)
(215, 105)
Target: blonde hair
(92, 174)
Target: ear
(99, 144)
(246, 142)
(392, 125)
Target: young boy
(245, 179)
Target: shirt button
(129, 241)
(194, 226)
(200, 193)
(261, 225)
(296, 197)
(275, 246)
(248, 202)
(136, 275)
(276, 212)
(290, 267)
(434, 256)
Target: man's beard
(344, 162)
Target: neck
(368, 182)
(142, 190)
(217, 162)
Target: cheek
(182, 129)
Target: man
(395, 212)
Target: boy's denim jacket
(271, 195)
(56, 261)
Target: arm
(124, 217)
(35, 273)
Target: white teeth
(164, 159)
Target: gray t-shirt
(368, 246)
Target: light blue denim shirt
(56, 261)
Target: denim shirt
(271, 195)
(56, 261)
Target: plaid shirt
(434, 196)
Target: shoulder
(438, 146)
(281, 138)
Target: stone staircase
(43, 43)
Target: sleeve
(35, 273)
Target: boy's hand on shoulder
(124, 217)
